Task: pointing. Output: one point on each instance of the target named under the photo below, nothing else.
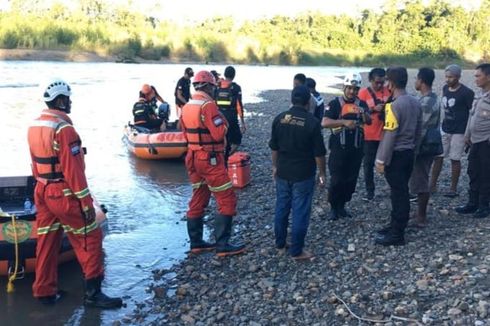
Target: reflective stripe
(139, 111)
(82, 193)
(56, 146)
(224, 187)
(47, 229)
(45, 123)
(197, 102)
(198, 185)
(67, 192)
(81, 230)
(62, 126)
(223, 102)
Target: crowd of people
(380, 126)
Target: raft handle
(20, 272)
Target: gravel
(440, 277)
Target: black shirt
(236, 97)
(184, 85)
(333, 111)
(296, 136)
(456, 106)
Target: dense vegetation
(406, 32)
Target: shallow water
(146, 200)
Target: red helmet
(146, 89)
(203, 77)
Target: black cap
(300, 95)
(187, 70)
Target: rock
(463, 306)
(401, 311)
(253, 268)
(387, 295)
(351, 247)
(454, 312)
(340, 311)
(422, 284)
(159, 292)
(220, 316)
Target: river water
(146, 200)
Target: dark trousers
(370, 149)
(398, 174)
(344, 165)
(295, 197)
(479, 173)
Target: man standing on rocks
(297, 151)
(419, 181)
(395, 157)
(478, 137)
(457, 100)
(345, 115)
(205, 130)
(375, 96)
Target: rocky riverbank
(440, 277)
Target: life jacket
(224, 95)
(350, 111)
(198, 136)
(143, 112)
(43, 147)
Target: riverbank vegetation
(407, 33)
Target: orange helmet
(146, 89)
(204, 77)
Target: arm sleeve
(469, 99)
(332, 111)
(318, 144)
(214, 121)
(73, 165)
(273, 142)
(239, 103)
(387, 144)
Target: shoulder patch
(391, 122)
(218, 121)
(75, 149)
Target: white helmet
(57, 87)
(353, 79)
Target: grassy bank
(413, 36)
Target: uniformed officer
(345, 116)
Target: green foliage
(405, 32)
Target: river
(146, 200)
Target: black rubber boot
(482, 212)
(390, 238)
(195, 229)
(94, 297)
(222, 232)
(52, 299)
(343, 212)
(472, 205)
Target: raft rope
(13, 276)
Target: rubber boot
(195, 229)
(470, 207)
(94, 297)
(222, 229)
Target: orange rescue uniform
(375, 130)
(61, 195)
(205, 130)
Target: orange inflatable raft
(155, 146)
(18, 228)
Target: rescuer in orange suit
(205, 129)
(63, 202)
